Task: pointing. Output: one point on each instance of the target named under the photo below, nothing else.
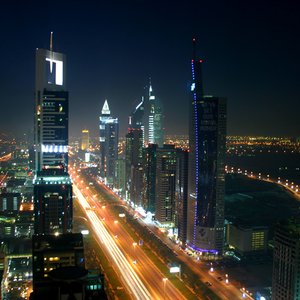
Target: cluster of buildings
(183, 189)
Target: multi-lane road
(138, 273)
(131, 260)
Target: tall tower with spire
(108, 138)
(154, 119)
(207, 137)
(52, 185)
(51, 110)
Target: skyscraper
(207, 136)
(109, 138)
(120, 183)
(52, 184)
(154, 120)
(136, 119)
(149, 178)
(133, 153)
(181, 194)
(53, 205)
(165, 185)
(133, 169)
(286, 257)
(51, 111)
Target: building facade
(51, 120)
(165, 185)
(154, 120)
(286, 261)
(149, 178)
(247, 240)
(120, 183)
(181, 195)
(133, 158)
(207, 137)
(52, 185)
(53, 204)
(10, 202)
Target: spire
(151, 96)
(105, 108)
(150, 87)
(197, 82)
(51, 41)
(194, 49)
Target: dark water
(283, 165)
(257, 203)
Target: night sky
(250, 49)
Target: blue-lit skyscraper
(207, 136)
(109, 135)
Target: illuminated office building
(166, 157)
(154, 119)
(247, 239)
(51, 111)
(52, 184)
(207, 134)
(53, 206)
(85, 140)
(159, 180)
(109, 138)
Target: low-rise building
(247, 239)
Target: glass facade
(207, 137)
(52, 185)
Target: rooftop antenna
(199, 81)
(51, 41)
(194, 49)
(150, 87)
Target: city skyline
(248, 52)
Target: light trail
(6, 157)
(130, 277)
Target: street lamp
(226, 280)
(243, 292)
(165, 281)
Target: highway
(132, 281)
(220, 288)
(158, 287)
(225, 290)
(139, 274)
